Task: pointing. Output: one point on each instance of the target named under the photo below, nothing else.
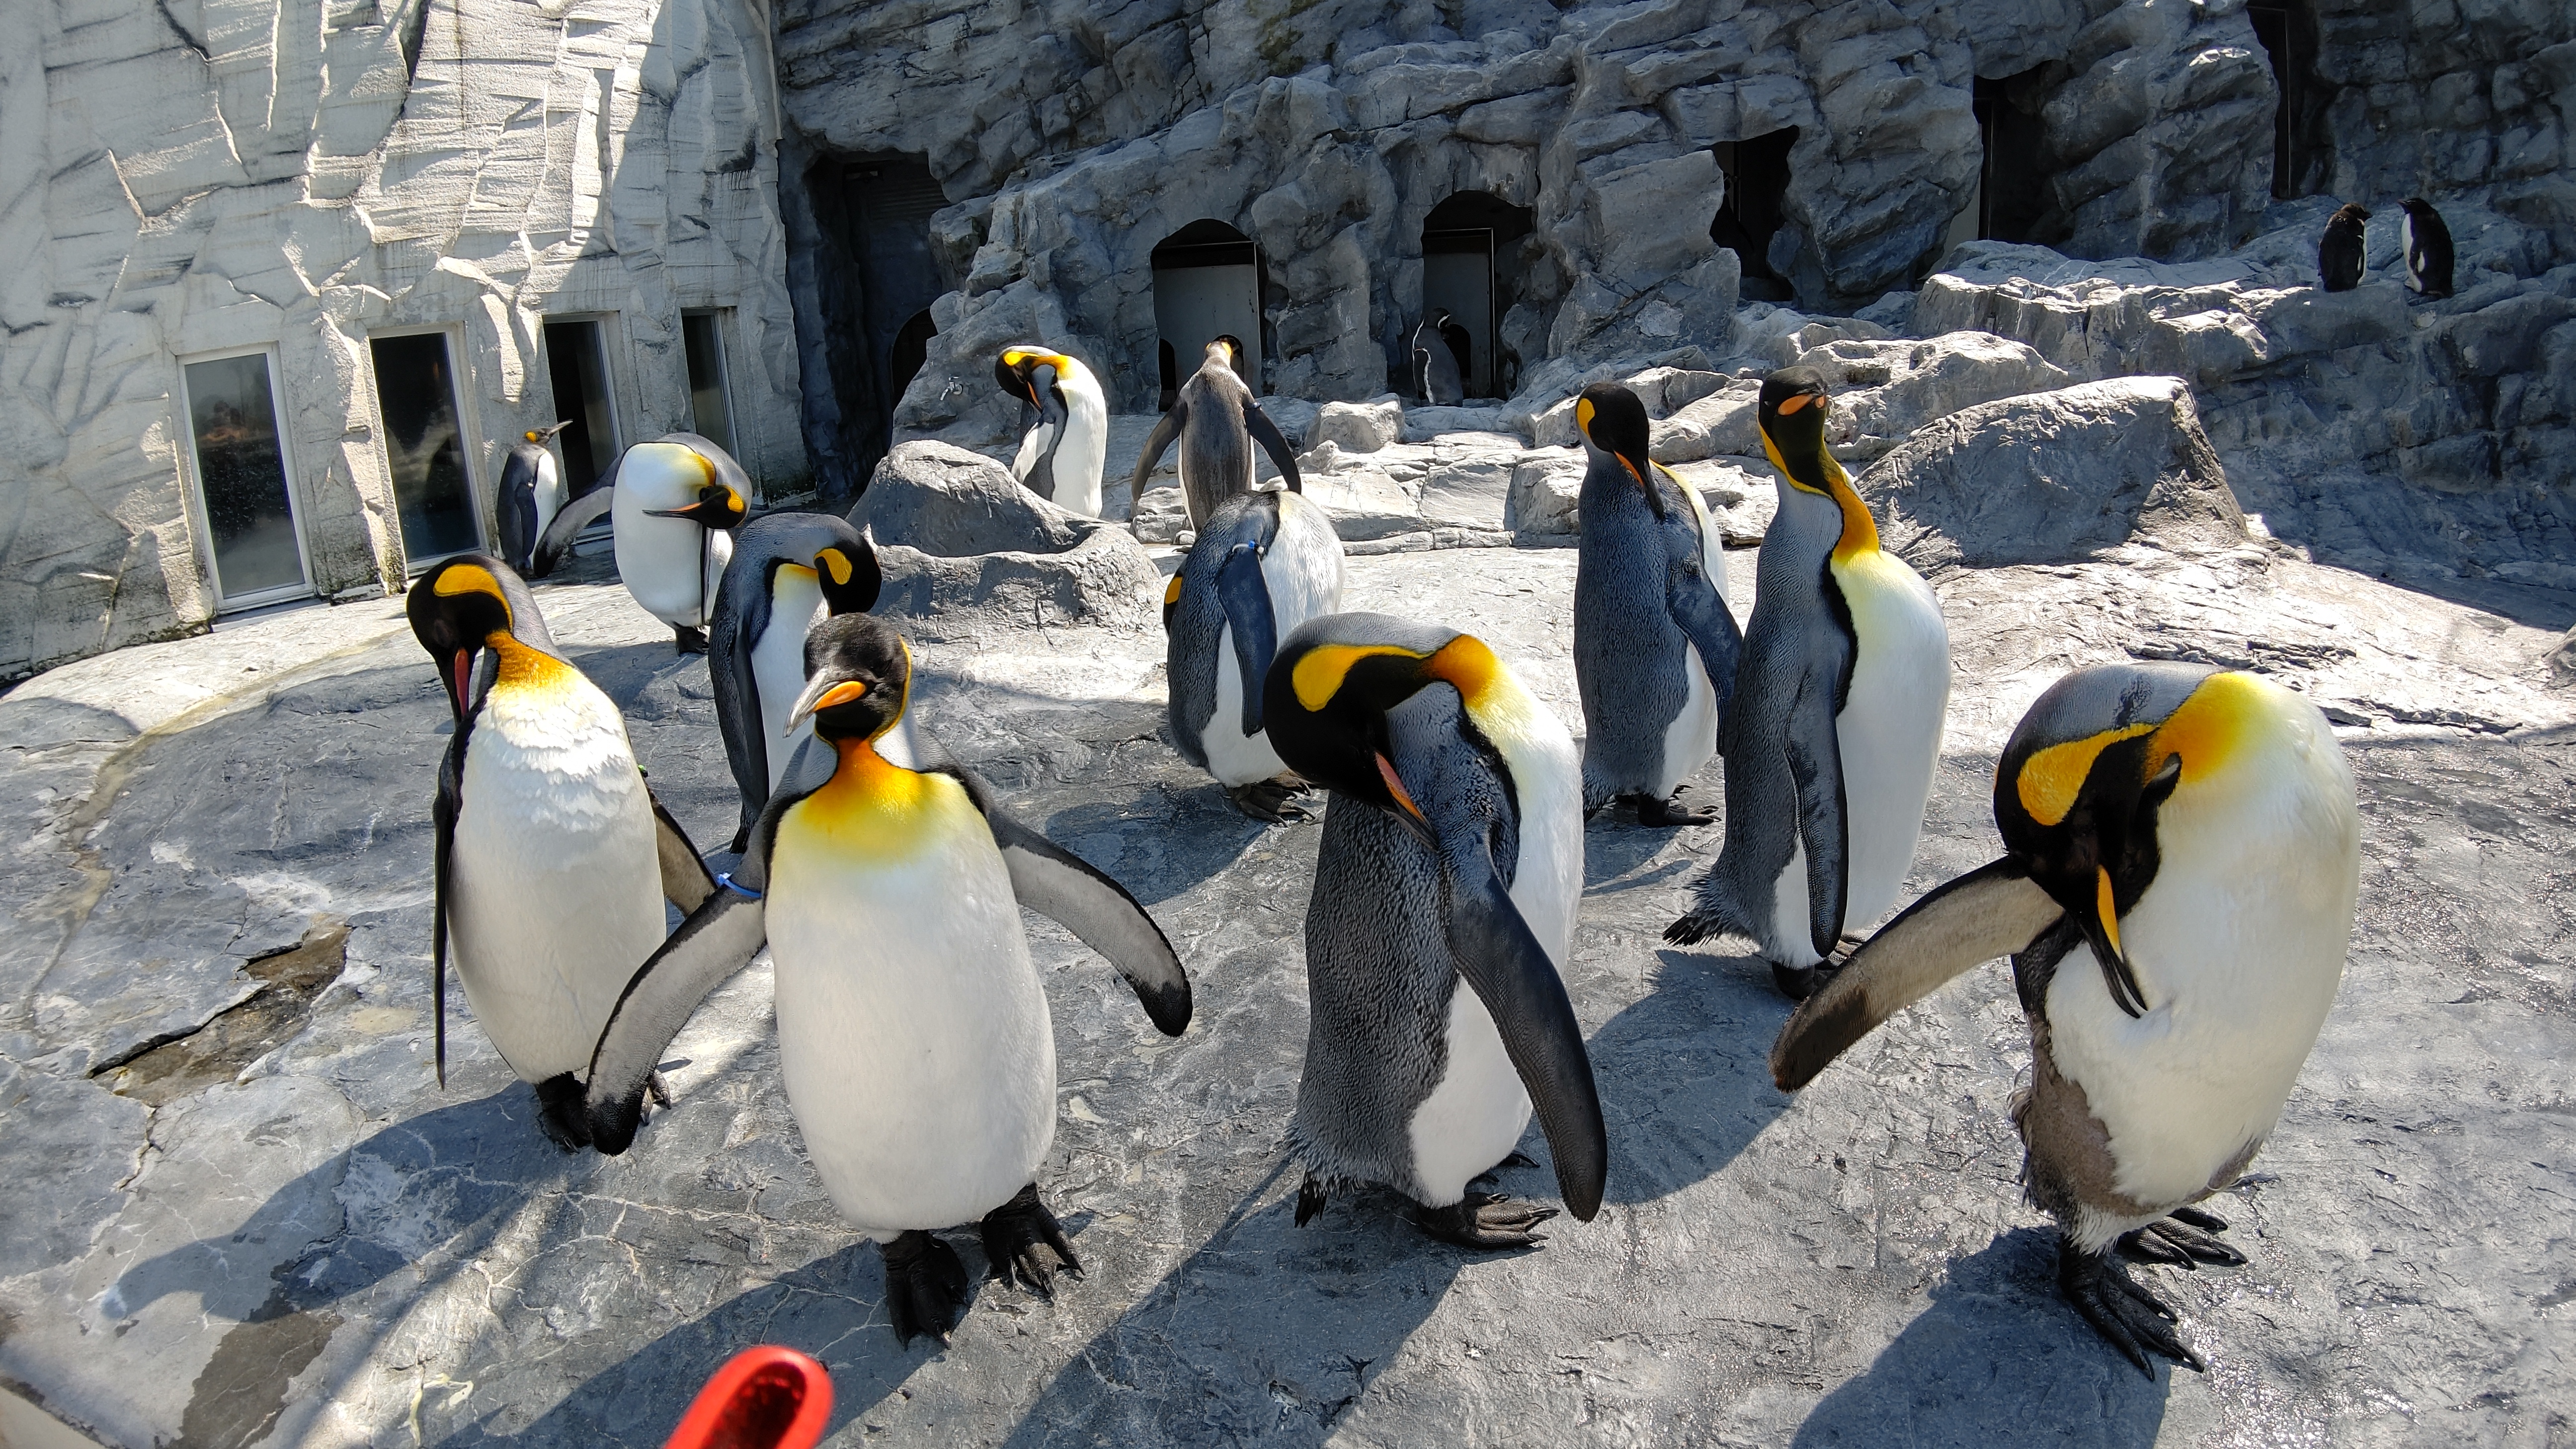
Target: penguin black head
(1326, 699)
(459, 606)
(540, 435)
(2349, 216)
(2080, 783)
(1233, 354)
(1017, 371)
(1792, 412)
(1612, 419)
(2417, 207)
(850, 577)
(858, 674)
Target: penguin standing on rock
(675, 503)
(2182, 855)
(912, 1028)
(1654, 646)
(1436, 364)
(1215, 421)
(1835, 728)
(532, 493)
(1061, 458)
(551, 857)
(2339, 251)
(1263, 564)
(2427, 244)
(1452, 853)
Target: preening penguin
(2339, 251)
(1452, 851)
(789, 572)
(1061, 458)
(551, 857)
(1654, 646)
(2182, 857)
(532, 493)
(1436, 364)
(675, 504)
(1264, 563)
(912, 1030)
(1215, 421)
(1835, 727)
(2427, 244)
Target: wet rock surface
(319, 1247)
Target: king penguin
(1061, 458)
(2182, 855)
(2339, 251)
(532, 493)
(1263, 564)
(675, 503)
(1436, 363)
(2427, 244)
(1216, 422)
(1835, 728)
(913, 1032)
(1654, 646)
(789, 572)
(551, 857)
(1452, 851)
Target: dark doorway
(890, 201)
(1207, 284)
(241, 481)
(911, 349)
(2012, 184)
(1757, 177)
(710, 392)
(2288, 30)
(1471, 270)
(425, 448)
(577, 365)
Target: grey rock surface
(948, 501)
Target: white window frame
(610, 338)
(201, 525)
(468, 429)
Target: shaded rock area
(964, 547)
(315, 1246)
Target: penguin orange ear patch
(1583, 416)
(1318, 676)
(1172, 592)
(837, 562)
(469, 579)
(1793, 404)
(2053, 777)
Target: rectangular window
(425, 447)
(577, 364)
(241, 480)
(710, 409)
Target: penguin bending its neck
(1263, 564)
(532, 493)
(912, 1028)
(1835, 728)
(1215, 421)
(675, 504)
(1655, 648)
(2339, 251)
(1436, 364)
(2182, 855)
(551, 858)
(1452, 857)
(789, 572)
(1061, 458)
(2426, 241)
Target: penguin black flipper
(738, 711)
(1073, 893)
(1273, 442)
(1995, 910)
(442, 816)
(1245, 596)
(577, 515)
(686, 881)
(1816, 764)
(1053, 415)
(1157, 443)
(1511, 973)
(518, 511)
(1691, 597)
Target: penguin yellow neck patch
(871, 808)
(523, 667)
(2206, 731)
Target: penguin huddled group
(2175, 892)
(2423, 242)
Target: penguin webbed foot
(2183, 1239)
(564, 1112)
(658, 1090)
(1670, 813)
(1312, 1194)
(925, 1286)
(1272, 802)
(1485, 1220)
(2135, 1320)
(1015, 1231)
(685, 640)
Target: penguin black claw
(925, 1287)
(1672, 814)
(686, 640)
(1013, 1234)
(1485, 1220)
(1795, 982)
(2183, 1241)
(2134, 1319)
(1269, 801)
(1312, 1194)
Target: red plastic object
(763, 1398)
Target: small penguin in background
(1061, 458)
(2182, 855)
(2339, 259)
(1452, 852)
(913, 1030)
(1216, 422)
(1435, 362)
(551, 858)
(1655, 648)
(532, 493)
(675, 503)
(789, 572)
(1263, 564)
(2427, 244)
(1835, 727)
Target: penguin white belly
(913, 1034)
(1233, 758)
(1085, 450)
(549, 492)
(778, 663)
(1690, 741)
(1889, 730)
(2238, 945)
(658, 559)
(1302, 573)
(554, 895)
(2406, 249)
(1033, 450)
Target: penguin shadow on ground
(1999, 1358)
(1165, 842)
(1619, 854)
(1684, 1072)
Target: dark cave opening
(2012, 180)
(1472, 261)
(1757, 177)
(1207, 284)
(2301, 151)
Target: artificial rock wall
(201, 175)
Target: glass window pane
(712, 417)
(416, 396)
(241, 476)
(577, 365)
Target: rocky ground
(241, 1211)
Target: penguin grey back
(517, 506)
(1216, 445)
(1206, 595)
(2339, 251)
(1629, 657)
(742, 615)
